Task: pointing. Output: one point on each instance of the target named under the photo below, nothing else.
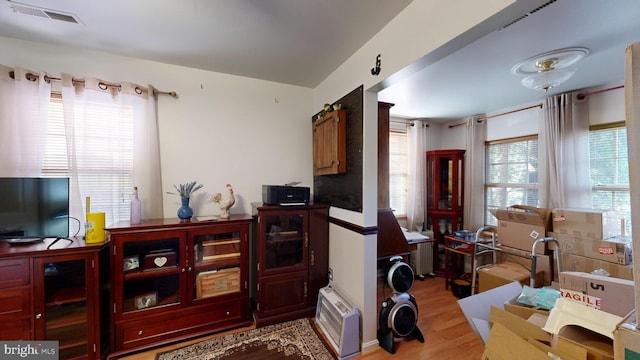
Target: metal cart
(490, 247)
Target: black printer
(285, 195)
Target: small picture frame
(131, 263)
(146, 300)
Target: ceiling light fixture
(548, 70)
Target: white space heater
(340, 321)
(421, 260)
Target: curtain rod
(582, 96)
(579, 97)
(496, 115)
(102, 85)
(407, 122)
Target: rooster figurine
(224, 204)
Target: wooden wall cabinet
(330, 143)
(174, 280)
(445, 199)
(291, 246)
(55, 294)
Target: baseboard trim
(370, 346)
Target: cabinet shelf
(64, 316)
(129, 304)
(149, 273)
(70, 337)
(284, 240)
(67, 295)
(217, 264)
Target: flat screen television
(34, 208)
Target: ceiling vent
(25, 9)
(528, 14)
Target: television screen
(34, 208)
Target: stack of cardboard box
(591, 240)
(512, 331)
(587, 241)
(518, 229)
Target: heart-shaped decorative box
(160, 259)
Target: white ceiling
(296, 42)
(477, 78)
(301, 42)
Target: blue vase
(185, 212)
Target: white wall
(221, 129)
(421, 28)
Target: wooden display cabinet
(445, 199)
(54, 291)
(173, 280)
(291, 247)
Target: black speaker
(399, 275)
(399, 313)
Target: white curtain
(416, 177)
(24, 105)
(474, 172)
(86, 152)
(632, 112)
(564, 153)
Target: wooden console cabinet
(291, 246)
(54, 291)
(173, 280)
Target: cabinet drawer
(15, 314)
(182, 323)
(14, 272)
(15, 302)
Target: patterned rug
(292, 340)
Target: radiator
(422, 259)
(340, 321)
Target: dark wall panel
(345, 190)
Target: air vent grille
(528, 14)
(44, 13)
(61, 17)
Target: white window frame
(507, 186)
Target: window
(398, 167)
(512, 174)
(610, 171)
(105, 171)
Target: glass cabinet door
(151, 273)
(62, 313)
(445, 171)
(217, 263)
(285, 241)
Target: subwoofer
(399, 313)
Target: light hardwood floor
(447, 334)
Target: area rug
(291, 340)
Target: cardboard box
(524, 311)
(217, 282)
(572, 262)
(598, 347)
(503, 273)
(587, 223)
(626, 338)
(543, 262)
(505, 344)
(612, 295)
(616, 249)
(520, 228)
